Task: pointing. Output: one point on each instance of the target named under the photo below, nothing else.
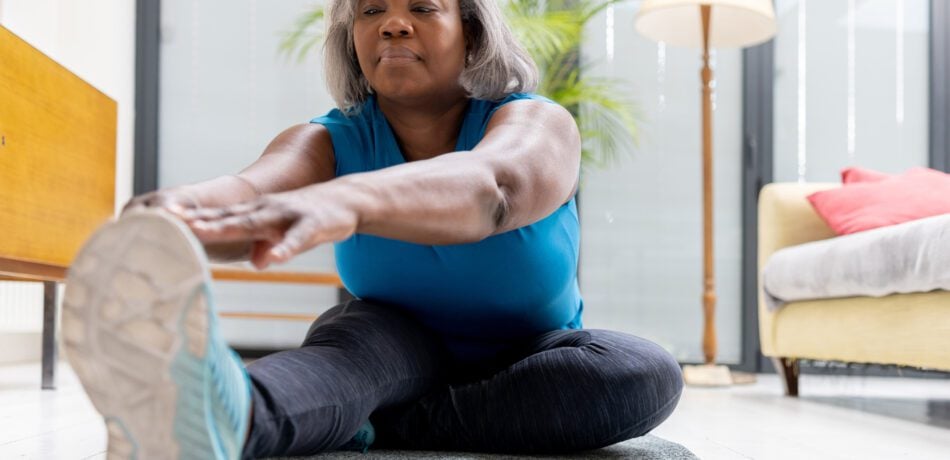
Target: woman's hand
(174, 200)
(281, 225)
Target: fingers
(297, 239)
(259, 254)
(175, 202)
(175, 208)
(280, 227)
(211, 214)
(136, 203)
(130, 206)
(239, 225)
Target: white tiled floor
(753, 421)
(60, 424)
(757, 421)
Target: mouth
(398, 54)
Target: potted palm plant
(552, 32)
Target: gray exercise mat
(644, 448)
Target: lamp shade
(733, 23)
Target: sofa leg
(788, 369)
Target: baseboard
(20, 347)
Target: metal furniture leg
(49, 335)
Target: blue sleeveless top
(480, 297)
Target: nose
(396, 26)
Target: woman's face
(410, 48)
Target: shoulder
(484, 111)
(522, 105)
(494, 106)
(336, 118)
(529, 109)
(343, 128)
(525, 97)
(351, 135)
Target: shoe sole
(137, 328)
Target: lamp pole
(709, 284)
(674, 22)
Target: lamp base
(714, 375)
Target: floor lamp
(706, 24)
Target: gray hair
(496, 66)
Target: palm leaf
(544, 36)
(304, 35)
(608, 124)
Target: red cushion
(915, 194)
(857, 175)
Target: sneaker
(141, 333)
(363, 438)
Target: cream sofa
(902, 329)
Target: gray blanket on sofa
(910, 257)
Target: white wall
(95, 39)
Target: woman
(448, 192)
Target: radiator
(21, 307)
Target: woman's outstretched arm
(301, 155)
(523, 169)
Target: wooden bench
(57, 181)
(57, 171)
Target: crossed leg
(565, 390)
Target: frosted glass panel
(850, 87)
(641, 252)
(225, 93)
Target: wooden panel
(15, 270)
(233, 274)
(268, 316)
(18, 270)
(57, 156)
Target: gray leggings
(562, 391)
